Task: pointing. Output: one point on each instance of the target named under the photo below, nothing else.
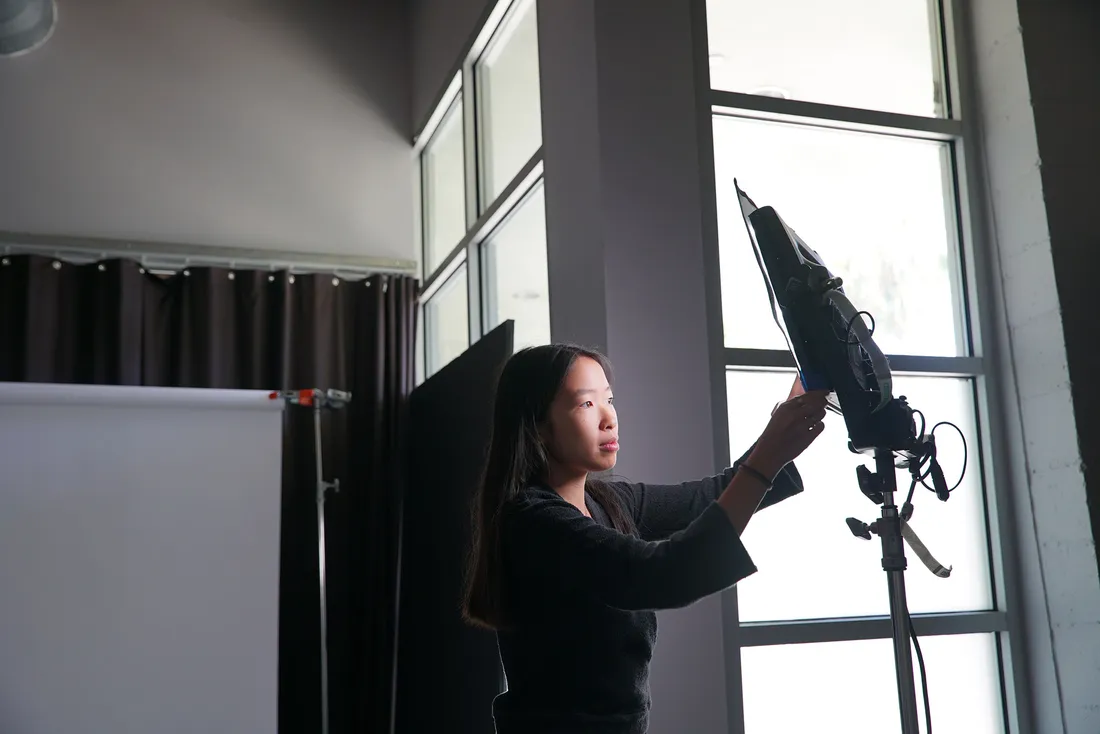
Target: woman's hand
(794, 425)
(796, 390)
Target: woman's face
(582, 431)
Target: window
(510, 119)
(862, 160)
(876, 207)
(851, 53)
(843, 577)
(444, 189)
(847, 686)
(481, 194)
(515, 269)
(446, 322)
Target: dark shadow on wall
(1062, 47)
(367, 42)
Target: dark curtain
(113, 323)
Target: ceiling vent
(25, 25)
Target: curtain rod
(172, 257)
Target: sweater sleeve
(549, 542)
(662, 509)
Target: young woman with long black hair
(569, 569)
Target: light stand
(898, 435)
(880, 487)
(834, 351)
(319, 400)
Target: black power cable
(923, 676)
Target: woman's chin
(606, 461)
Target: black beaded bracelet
(759, 475)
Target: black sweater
(581, 598)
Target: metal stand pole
(322, 486)
(318, 400)
(894, 563)
(880, 487)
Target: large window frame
(958, 129)
(482, 217)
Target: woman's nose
(609, 417)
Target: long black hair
(517, 458)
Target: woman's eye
(586, 404)
(611, 401)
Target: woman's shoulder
(535, 497)
(533, 513)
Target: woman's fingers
(796, 388)
(795, 424)
(816, 416)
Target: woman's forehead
(586, 375)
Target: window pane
(444, 190)
(510, 108)
(875, 207)
(844, 687)
(810, 564)
(447, 321)
(516, 277)
(854, 53)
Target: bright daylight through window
(514, 278)
(795, 86)
(447, 321)
(444, 189)
(481, 195)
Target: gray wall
(1035, 124)
(281, 125)
(441, 33)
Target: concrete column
(1038, 105)
(629, 271)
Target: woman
(569, 569)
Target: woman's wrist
(764, 463)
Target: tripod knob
(859, 528)
(870, 484)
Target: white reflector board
(139, 560)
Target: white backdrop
(139, 560)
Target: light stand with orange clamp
(319, 400)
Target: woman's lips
(609, 446)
